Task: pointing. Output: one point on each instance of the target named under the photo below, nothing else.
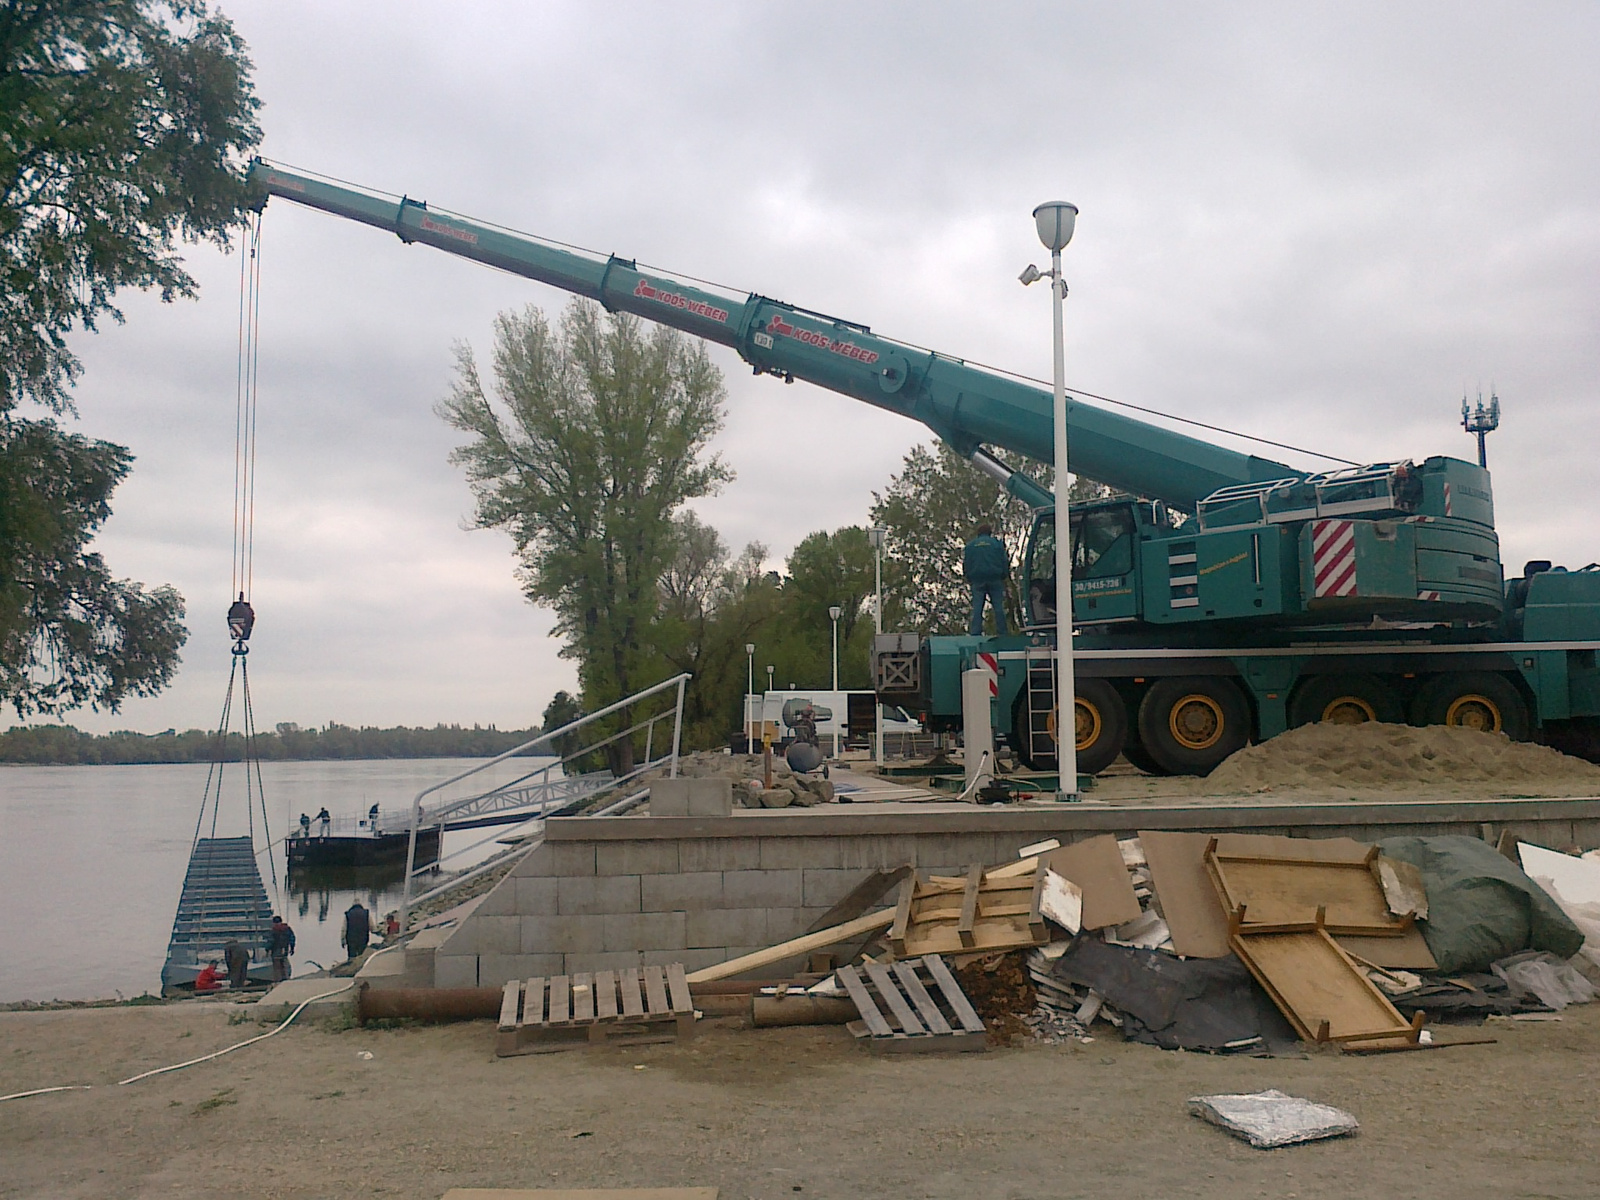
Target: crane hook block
(241, 619)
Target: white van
(851, 717)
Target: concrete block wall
(593, 905)
(614, 892)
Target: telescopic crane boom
(968, 407)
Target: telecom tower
(1481, 420)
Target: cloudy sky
(1314, 223)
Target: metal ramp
(223, 899)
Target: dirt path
(766, 1113)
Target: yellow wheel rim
(1473, 711)
(1348, 710)
(1089, 723)
(1196, 722)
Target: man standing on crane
(987, 566)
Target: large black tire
(1345, 700)
(1102, 725)
(1137, 758)
(1189, 724)
(1473, 700)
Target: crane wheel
(1102, 728)
(1345, 700)
(1478, 700)
(1190, 724)
(1102, 725)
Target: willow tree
(596, 434)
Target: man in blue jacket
(987, 566)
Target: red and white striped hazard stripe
(1333, 557)
(991, 664)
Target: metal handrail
(678, 681)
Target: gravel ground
(766, 1113)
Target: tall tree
(123, 130)
(599, 436)
(931, 509)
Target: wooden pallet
(982, 911)
(625, 1007)
(912, 1017)
(1262, 892)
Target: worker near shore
(238, 960)
(281, 947)
(209, 979)
(357, 929)
(325, 819)
(305, 825)
(986, 566)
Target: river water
(92, 862)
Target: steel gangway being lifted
(223, 900)
(547, 790)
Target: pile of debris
(1231, 943)
(748, 774)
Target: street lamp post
(877, 534)
(834, 614)
(749, 691)
(1054, 221)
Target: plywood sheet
(1187, 898)
(1271, 845)
(1275, 891)
(1318, 987)
(1408, 952)
(1096, 866)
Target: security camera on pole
(1054, 220)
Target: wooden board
(1096, 866)
(1185, 894)
(1272, 845)
(670, 1193)
(1291, 891)
(1325, 995)
(862, 897)
(744, 964)
(1408, 952)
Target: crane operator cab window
(1102, 557)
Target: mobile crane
(1218, 598)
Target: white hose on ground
(299, 1008)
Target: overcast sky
(1314, 223)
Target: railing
(537, 789)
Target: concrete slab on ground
(286, 996)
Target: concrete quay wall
(613, 892)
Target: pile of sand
(1399, 756)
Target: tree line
(64, 745)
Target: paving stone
(455, 971)
(824, 887)
(495, 970)
(536, 862)
(615, 960)
(778, 853)
(786, 923)
(722, 927)
(501, 900)
(762, 889)
(710, 797)
(562, 935)
(535, 896)
(570, 858)
(719, 854)
(577, 895)
(645, 931)
(687, 891)
(669, 798)
(652, 857)
(498, 935)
